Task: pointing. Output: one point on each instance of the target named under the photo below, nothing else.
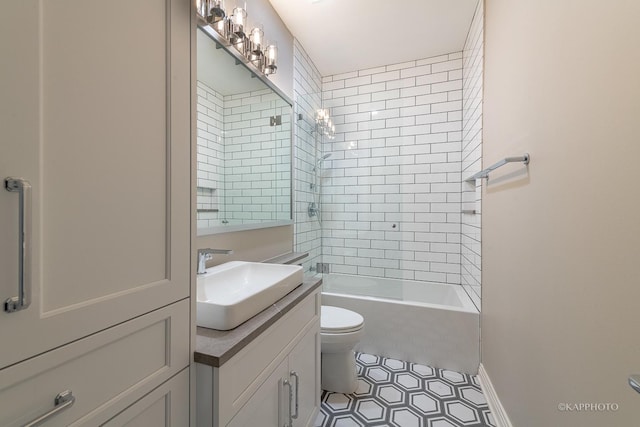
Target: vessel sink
(233, 292)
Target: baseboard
(497, 410)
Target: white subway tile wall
(471, 267)
(307, 99)
(243, 162)
(392, 186)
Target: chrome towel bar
(485, 172)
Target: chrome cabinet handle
(634, 382)
(294, 374)
(22, 301)
(63, 400)
(288, 384)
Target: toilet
(340, 331)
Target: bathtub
(421, 322)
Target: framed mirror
(244, 141)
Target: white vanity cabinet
(95, 205)
(273, 381)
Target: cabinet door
(304, 362)
(269, 405)
(95, 114)
(168, 405)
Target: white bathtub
(427, 323)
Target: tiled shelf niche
(207, 207)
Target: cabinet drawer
(106, 371)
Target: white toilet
(340, 331)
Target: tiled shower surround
(392, 186)
(243, 161)
(472, 156)
(392, 190)
(307, 99)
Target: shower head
(322, 159)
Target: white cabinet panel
(269, 405)
(105, 371)
(251, 382)
(304, 361)
(245, 371)
(167, 405)
(95, 114)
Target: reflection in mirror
(244, 146)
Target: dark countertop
(290, 258)
(215, 347)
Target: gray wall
(561, 239)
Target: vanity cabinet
(273, 381)
(95, 205)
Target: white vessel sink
(233, 292)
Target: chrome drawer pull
(288, 384)
(22, 301)
(63, 400)
(295, 375)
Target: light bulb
(256, 37)
(271, 58)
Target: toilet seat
(336, 320)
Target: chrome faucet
(206, 254)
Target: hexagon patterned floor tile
(394, 393)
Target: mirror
(244, 136)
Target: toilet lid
(337, 320)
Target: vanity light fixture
(324, 124)
(214, 11)
(233, 28)
(254, 53)
(237, 24)
(221, 27)
(271, 59)
(238, 21)
(321, 115)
